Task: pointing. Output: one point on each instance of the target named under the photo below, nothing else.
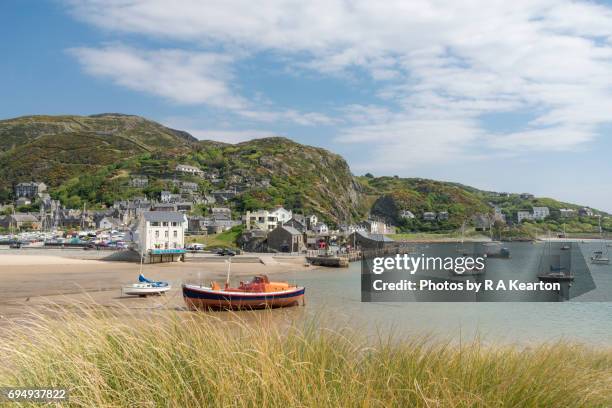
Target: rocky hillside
(93, 159)
(56, 148)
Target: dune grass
(195, 360)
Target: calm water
(335, 296)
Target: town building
(585, 212)
(160, 235)
(107, 223)
(524, 215)
(29, 189)
(406, 214)
(429, 216)
(311, 221)
(260, 219)
(186, 169)
(285, 239)
(281, 214)
(321, 228)
(567, 212)
(527, 196)
(297, 223)
(443, 216)
(20, 221)
(540, 213)
(139, 182)
(221, 213)
(376, 227)
(168, 197)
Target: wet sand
(32, 282)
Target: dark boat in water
(259, 293)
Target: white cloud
(181, 76)
(440, 65)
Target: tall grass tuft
(174, 359)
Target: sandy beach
(33, 281)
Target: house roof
(291, 230)
(24, 218)
(160, 216)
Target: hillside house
(406, 214)
(429, 216)
(524, 215)
(585, 212)
(567, 212)
(168, 197)
(139, 182)
(260, 219)
(527, 196)
(30, 189)
(286, 239)
(281, 214)
(221, 213)
(297, 224)
(187, 169)
(443, 216)
(540, 213)
(321, 228)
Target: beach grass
(184, 359)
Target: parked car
(196, 247)
(225, 252)
(15, 245)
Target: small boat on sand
(258, 293)
(146, 287)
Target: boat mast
(229, 267)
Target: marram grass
(175, 359)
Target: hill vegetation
(91, 159)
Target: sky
(505, 96)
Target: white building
(161, 230)
(168, 197)
(281, 214)
(524, 215)
(107, 223)
(321, 228)
(184, 168)
(540, 213)
(567, 212)
(260, 219)
(311, 221)
(407, 214)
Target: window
(155, 224)
(166, 234)
(174, 223)
(156, 234)
(165, 224)
(175, 234)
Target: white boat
(143, 289)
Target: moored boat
(145, 289)
(259, 293)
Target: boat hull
(200, 298)
(136, 291)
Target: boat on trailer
(258, 293)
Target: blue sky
(509, 96)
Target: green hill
(93, 158)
